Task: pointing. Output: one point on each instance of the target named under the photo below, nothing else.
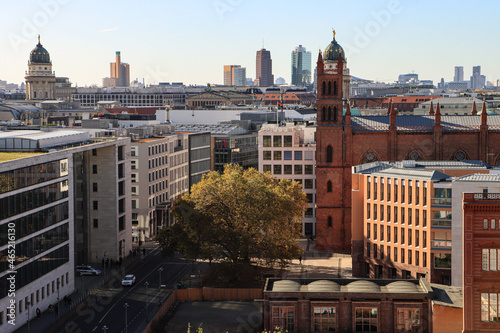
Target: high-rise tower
(459, 74)
(120, 72)
(301, 66)
(40, 79)
(264, 75)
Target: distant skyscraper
(459, 74)
(264, 69)
(301, 66)
(280, 81)
(477, 81)
(120, 72)
(235, 75)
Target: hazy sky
(191, 40)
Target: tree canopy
(236, 216)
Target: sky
(191, 40)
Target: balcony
(441, 223)
(441, 244)
(441, 202)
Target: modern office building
(481, 255)
(264, 69)
(301, 66)
(119, 73)
(289, 152)
(40, 79)
(459, 74)
(64, 200)
(241, 149)
(477, 81)
(235, 75)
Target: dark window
(329, 186)
(94, 152)
(96, 223)
(94, 187)
(95, 205)
(94, 168)
(329, 154)
(329, 221)
(121, 223)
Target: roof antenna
(263, 43)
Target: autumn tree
(237, 216)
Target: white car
(128, 280)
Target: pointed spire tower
(437, 116)
(431, 109)
(474, 110)
(484, 115)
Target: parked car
(128, 280)
(87, 270)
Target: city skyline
(382, 39)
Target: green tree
(239, 215)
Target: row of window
(406, 215)
(278, 155)
(490, 311)
(491, 260)
(366, 319)
(277, 140)
(376, 189)
(286, 169)
(491, 224)
(383, 234)
(36, 297)
(384, 253)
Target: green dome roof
(39, 54)
(332, 51)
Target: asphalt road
(113, 305)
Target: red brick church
(344, 141)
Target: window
(329, 154)
(368, 189)
(308, 155)
(402, 215)
(382, 189)
(402, 235)
(287, 155)
(324, 319)
(308, 183)
(266, 141)
(417, 258)
(410, 193)
(489, 307)
(121, 223)
(329, 221)
(410, 237)
(402, 256)
(403, 192)
(310, 197)
(368, 231)
(424, 218)
(375, 215)
(96, 223)
(266, 168)
(309, 212)
(381, 212)
(283, 317)
(424, 239)
(395, 234)
(134, 204)
(417, 238)
(94, 187)
(492, 224)
(329, 186)
(368, 212)
(277, 155)
(277, 141)
(410, 257)
(396, 254)
(395, 214)
(389, 191)
(491, 259)
(287, 169)
(381, 253)
(388, 253)
(308, 168)
(417, 194)
(375, 251)
(408, 320)
(94, 168)
(277, 169)
(366, 319)
(375, 233)
(297, 169)
(424, 192)
(485, 224)
(396, 192)
(375, 188)
(267, 155)
(388, 234)
(410, 215)
(287, 141)
(381, 233)
(95, 205)
(298, 155)
(388, 213)
(368, 250)
(94, 152)
(424, 259)
(417, 217)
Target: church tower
(40, 80)
(333, 151)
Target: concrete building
(347, 305)
(119, 73)
(477, 81)
(301, 66)
(481, 253)
(289, 152)
(40, 79)
(459, 74)
(264, 69)
(64, 200)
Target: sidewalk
(51, 321)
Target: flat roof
(4, 157)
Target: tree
(236, 216)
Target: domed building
(40, 79)
(330, 60)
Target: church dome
(333, 50)
(39, 54)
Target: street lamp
(28, 304)
(105, 329)
(57, 306)
(160, 270)
(126, 322)
(147, 299)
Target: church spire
(392, 115)
(437, 116)
(474, 110)
(348, 114)
(484, 115)
(431, 109)
(320, 65)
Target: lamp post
(147, 299)
(57, 306)
(28, 304)
(160, 270)
(126, 322)
(104, 329)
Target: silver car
(128, 280)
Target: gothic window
(415, 155)
(334, 113)
(368, 157)
(329, 154)
(324, 88)
(324, 112)
(335, 88)
(329, 186)
(460, 155)
(329, 87)
(329, 113)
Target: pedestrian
(300, 260)
(38, 313)
(107, 262)
(51, 308)
(102, 262)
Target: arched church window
(329, 113)
(369, 156)
(334, 113)
(329, 154)
(460, 155)
(335, 88)
(329, 186)
(329, 87)
(415, 155)
(324, 113)
(324, 88)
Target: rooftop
(4, 157)
(478, 177)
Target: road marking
(94, 329)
